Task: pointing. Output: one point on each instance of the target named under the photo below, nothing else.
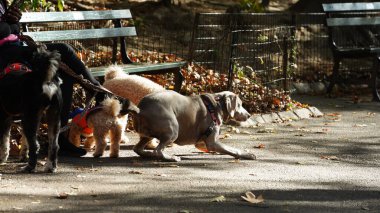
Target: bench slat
(139, 68)
(353, 21)
(38, 17)
(64, 35)
(351, 7)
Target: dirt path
(328, 164)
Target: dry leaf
(260, 146)
(266, 130)
(225, 136)
(220, 198)
(62, 195)
(329, 157)
(162, 175)
(360, 125)
(201, 146)
(251, 198)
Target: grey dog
(184, 120)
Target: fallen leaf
(135, 172)
(201, 146)
(266, 130)
(76, 187)
(301, 163)
(62, 195)
(330, 157)
(260, 146)
(225, 136)
(365, 208)
(220, 198)
(17, 208)
(334, 114)
(360, 125)
(251, 198)
(234, 161)
(162, 175)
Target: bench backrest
(351, 10)
(77, 16)
(352, 24)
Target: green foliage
(42, 5)
(252, 6)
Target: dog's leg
(89, 142)
(30, 124)
(24, 148)
(115, 139)
(100, 139)
(165, 141)
(54, 123)
(74, 134)
(215, 146)
(5, 127)
(139, 148)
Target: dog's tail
(45, 63)
(112, 106)
(114, 71)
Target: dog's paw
(97, 154)
(248, 156)
(28, 169)
(172, 159)
(23, 159)
(49, 168)
(114, 155)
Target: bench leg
(178, 78)
(334, 76)
(375, 93)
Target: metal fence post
(192, 45)
(232, 28)
(285, 59)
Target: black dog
(30, 95)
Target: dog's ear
(230, 101)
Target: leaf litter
(251, 198)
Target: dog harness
(14, 68)
(211, 105)
(80, 119)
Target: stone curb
(279, 117)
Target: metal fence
(276, 46)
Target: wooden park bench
(358, 20)
(116, 33)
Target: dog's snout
(242, 114)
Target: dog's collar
(211, 107)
